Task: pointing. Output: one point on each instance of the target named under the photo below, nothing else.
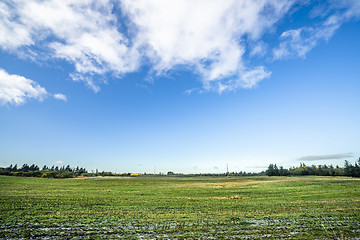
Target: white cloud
(209, 37)
(59, 162)
(298, 42)
(12, 34)
(16, 89)
(203, 35)
(82, 32)
(189, 91)
(258, 49)
(350, 8)
(60, 96)
(250, 78)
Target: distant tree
(331, 170)
(357, 169)
(33, 168)
(68, 168)
(283, 171)
(272, 170)
(9, 168)
(82, 170)
(348, 168)
(276, 170)
(338, 171)
(25, 168)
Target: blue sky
(183, 86)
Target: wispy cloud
(326, 157)
(258, 49)
(298, 42)
(15, 89)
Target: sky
(183, 86)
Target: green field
(180, 207)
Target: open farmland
(180, 207)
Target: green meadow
(155, 207)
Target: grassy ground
(180, 207)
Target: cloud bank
(215, 39)
(326, 157)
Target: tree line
(54, 171)
(349, 170)
(45, 172)
(273, 170)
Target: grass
(180, 207)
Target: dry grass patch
(230, 184)
(231, 198)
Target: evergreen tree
(25, 168)
(357, 169)
(33, 168)
(348, 169)
(9, 168)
